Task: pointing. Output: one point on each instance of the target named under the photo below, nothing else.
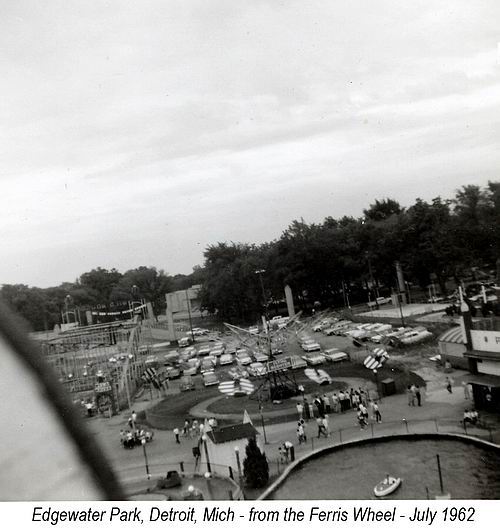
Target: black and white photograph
(250, 251)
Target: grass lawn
(173, 410)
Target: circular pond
(469, 471)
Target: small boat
(386, 486)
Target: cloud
(139, 134)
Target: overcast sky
(137, 133)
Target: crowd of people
(332, 403)
(323, 405)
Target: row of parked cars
(315, 355)
(378, 333)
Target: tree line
(354, 258)
(102, 289)
(330, 263)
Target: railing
(138, 476)
(375, 430)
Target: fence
(227, 485)
(374, 430)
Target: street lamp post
(143, 443)
(238, 462)
(204, 439)
(261, 409)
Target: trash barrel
(388, 387)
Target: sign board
(102, 387)
(279, 365)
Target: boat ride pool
(469, 471)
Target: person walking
(300, 410)
(301, 433)
(378, 415)
(321, 427)
(418, 395)
(176, 434)
(448, 385)
(409, 394)
(413, 390)
(326, 427)
(186, 430)
(307, 414)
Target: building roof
(484, 380)
(453, 335)
(483, 355)
(232, 433)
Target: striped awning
(376, 359)
(453, 335)
(237, 387)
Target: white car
(253, 330)
(311, 346)
(190, 367)
(314, 359)
(216, 351)
(380, 301)
(334, 355)
(257, 369)
(338, 326)
(210, 378)
(415, 337)
(204, 350)
(226, 359)
(243, 359)
(260, 357)
(207, 364)
(200, 332)
(237, 372)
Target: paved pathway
(438, 405)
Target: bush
(255, 466)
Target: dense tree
(255, 466)
(325, 262)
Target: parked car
(243, 358)
(171, 372)
(310, 346)
(199, 332)
(187, 384)
(259, 356)
(298, 362)
(337, 326)
(381, 300)
(415, 336)
(324, 324)
(207, 364)
(191, 351)
(257, 369)
(185, 341)
(210, 378)
(314, 359)
(216, 351)
(226, 359)
(204, 350)
(334, 355)
(191, 366)
(237, 372)
(253, 330)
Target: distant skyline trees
(324, 262)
